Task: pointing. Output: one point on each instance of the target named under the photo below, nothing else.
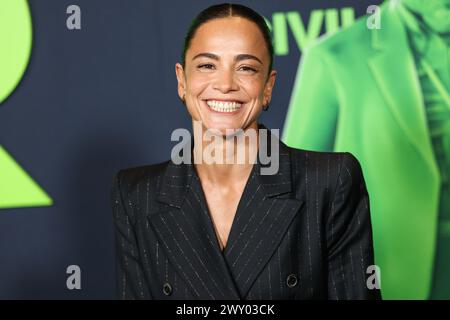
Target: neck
(225, 159)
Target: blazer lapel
(264, 214)
(186, 231)
(394, 70)
(188, 239)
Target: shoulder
(343, 45)
(132, 187)
(130, 178)
(325, 169)
(323, 160)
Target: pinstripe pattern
(304, 233)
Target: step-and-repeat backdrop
(88, 88)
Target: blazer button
(291, 280)
(167, 289)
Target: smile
(224, 106)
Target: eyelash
(248, 68)
(210, 66)
(205, 65)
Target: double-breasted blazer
(359, 91)
(303, 233)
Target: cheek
(197, 82)
(253, 87)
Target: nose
(225, 82)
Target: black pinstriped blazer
(304, 233)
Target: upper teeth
(223, 106)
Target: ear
(268, 87)
(181, 80)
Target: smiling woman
(224, 229)
(225, 74)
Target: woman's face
(225, 81)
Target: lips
(224, 106)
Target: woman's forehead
(228, 34)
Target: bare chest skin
(222, 204)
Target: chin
(229, 129)
(223, 130)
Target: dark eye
(206, 66)
(247, 69)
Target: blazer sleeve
(130, 276)
(349, 237)
(312, 115)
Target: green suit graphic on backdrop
(17, 189)
(359, 91)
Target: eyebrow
(239, 57)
